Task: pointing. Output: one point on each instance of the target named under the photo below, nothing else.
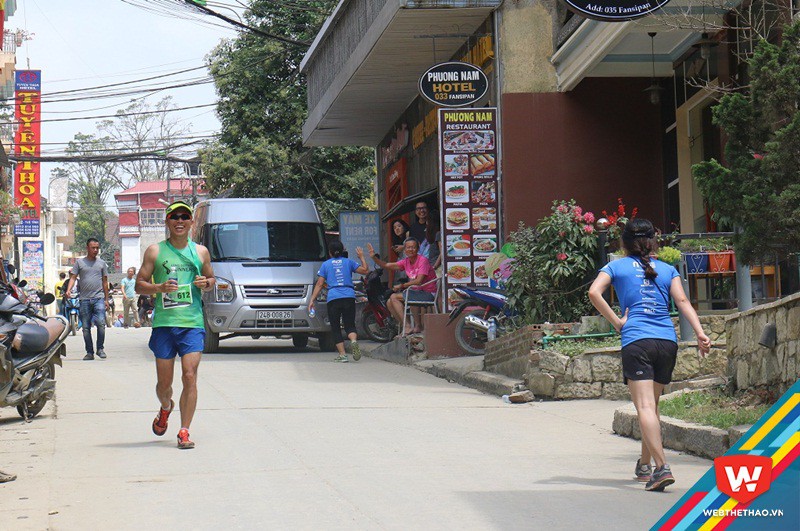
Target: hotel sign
(615, 10)
(27, 143)
(453, 84)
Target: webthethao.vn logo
(743, 477)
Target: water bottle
(492, 332)
(312, 312)
(173, 277)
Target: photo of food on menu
(479, 273)
(484, 192)
(468, 140)
(458, 245)
(484, 218)
(484, 245)
(456, 165)
(457, 218)
(459, 273)
(482, 165)
(456, 191)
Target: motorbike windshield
(272, 241)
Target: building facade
(588, 110)
(141, 214)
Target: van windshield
(272, 241)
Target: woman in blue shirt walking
(644, 286)
(337, 273)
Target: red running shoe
(160, 422)
(183, 440)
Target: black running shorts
(649, 359)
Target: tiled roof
(154, 187)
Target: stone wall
(752, 366)
(509, 354)
(598, 373)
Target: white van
(265, 254)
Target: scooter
(72, 311)
(110, 313)
(484, 306)
(376, 320)
(30, 348)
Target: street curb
(705, 441)
(395, 351)
(471, 374)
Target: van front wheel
(326, 343)
(211, 341)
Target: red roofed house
(141, 214)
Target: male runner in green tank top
(178, 315)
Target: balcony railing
(9, 43)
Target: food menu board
(469, 192)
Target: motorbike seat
(491, 290)
(32, 338)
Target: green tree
(262, 107)
(90, 184)
(758, 188)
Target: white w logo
(743, 476)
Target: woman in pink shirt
(420, 274)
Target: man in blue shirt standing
(129, 299)
(337, 273)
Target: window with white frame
(151, 217)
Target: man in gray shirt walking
(93, 293)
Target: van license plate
(270, 315)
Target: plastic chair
(407, 305)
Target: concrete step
(468, 371)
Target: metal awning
(363, 68)
(623, 49)
(407, 204)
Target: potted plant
(696, 258)
(705, 255)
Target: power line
(252, 29)
(118, 115)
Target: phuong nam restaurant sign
(453, 84)
(615, 10)
(470, 194)
(27, 143)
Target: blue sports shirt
(338, 273)
(647, 301)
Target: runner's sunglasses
(180, 217)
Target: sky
(86, 43)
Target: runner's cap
(175, 206)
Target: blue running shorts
(167, 341)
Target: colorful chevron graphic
(777, 436)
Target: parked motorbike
(475, 312)
(111, 315)
(376, 320)
(72, 311)
(30, 348)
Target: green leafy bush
(554, 264)
(669, 255)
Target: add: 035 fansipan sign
(615, 10)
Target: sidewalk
(289, 440)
